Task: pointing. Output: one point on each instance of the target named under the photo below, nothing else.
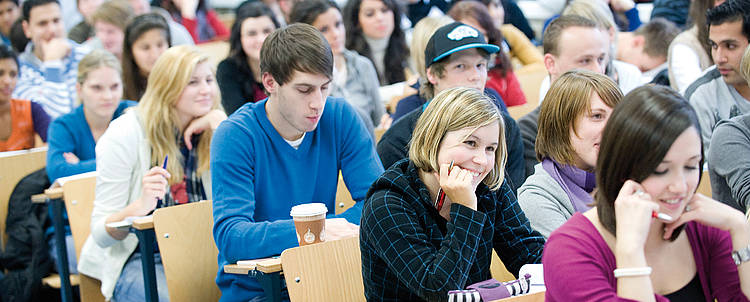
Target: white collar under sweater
(377, 50)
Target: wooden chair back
(217, 51)
(328, 271)
(530, 77)
(15, 165)
(79, 203)
(498, 270)
(344, 199)
(185, 237)
(705, 186)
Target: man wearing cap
(455, 56)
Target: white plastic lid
(308, 209)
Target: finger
(443, 176)
(188, 138)
(685, 217)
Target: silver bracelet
(632, 272)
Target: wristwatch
(743, 255)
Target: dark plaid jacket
(411, 253)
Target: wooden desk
(268, 273)
(144, 230)
(535, 297)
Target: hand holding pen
(457, 184)
(154, 187)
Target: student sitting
(19, 119)
(571, 121)
(283, 151)
(729, 172)
(147, 36)
(453, 63)
(175, 120)
(500, 76)
(354, 78)
(200, 20)
(416, 249)
(647, 46)
(626, 248)
(9, 13)
(83, 31)
(239, 74)
(49, 63)
(109, 21)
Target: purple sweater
(578, 264)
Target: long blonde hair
(167, 80)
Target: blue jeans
(70, 247)
(130, 286)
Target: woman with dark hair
(374, 31)
(200, 20)
(239, 74)
(146, 38)
(500, 76)
(651, 237)
(19, 119)
(354, 76)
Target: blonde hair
(92, 61)
(419, 38)
(745, 67)
(597, 11)
(568, 98)
(169, 77)
(115, 12)
(451, 110)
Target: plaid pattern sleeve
(411, 253)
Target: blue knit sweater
(71, 133)
(257, 178)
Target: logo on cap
(461, 32)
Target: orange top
(22, 133)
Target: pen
(661, 216)
(163, 166)
(441, 195)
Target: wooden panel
(344, 199)
(535, 297)
(79, 202)
(16, 165)
(530, 77)
(328, 271)
(705, 186)
(90, 289)
(498, 270)
(185, 237)
(216, 50)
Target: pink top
(578, 264)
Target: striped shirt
(52, 84)
(411, 253)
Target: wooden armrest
(144, 223)
(56, 193)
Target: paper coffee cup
(309, 222)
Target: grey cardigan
(361, 89)
(729, 164)
(544, 202)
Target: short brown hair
(556, 27)
(658, 34)
(297, 47)
(115, 12)
(455, 109)
(568, 98)
(638, 135)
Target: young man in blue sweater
(284, 151)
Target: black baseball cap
(452, 38)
